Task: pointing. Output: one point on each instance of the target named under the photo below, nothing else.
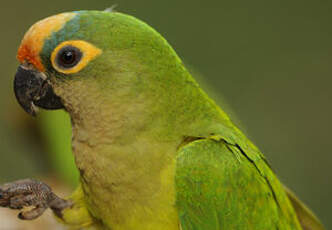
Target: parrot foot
(31, 193)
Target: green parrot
(154, 152)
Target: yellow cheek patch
(89, 52)
(34, 38)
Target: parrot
(153, 150)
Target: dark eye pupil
(68, 57)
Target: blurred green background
(270, 60)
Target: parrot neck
(125, 145)
(124, 164)
(123, 159)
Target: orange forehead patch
(33, 40)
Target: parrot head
(100, 65)
(69, 59)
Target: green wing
(219, 187)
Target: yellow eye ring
(72, 56)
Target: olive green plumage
(154, 151)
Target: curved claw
(32, 214)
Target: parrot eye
(68, 57)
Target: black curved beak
(32, 89)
